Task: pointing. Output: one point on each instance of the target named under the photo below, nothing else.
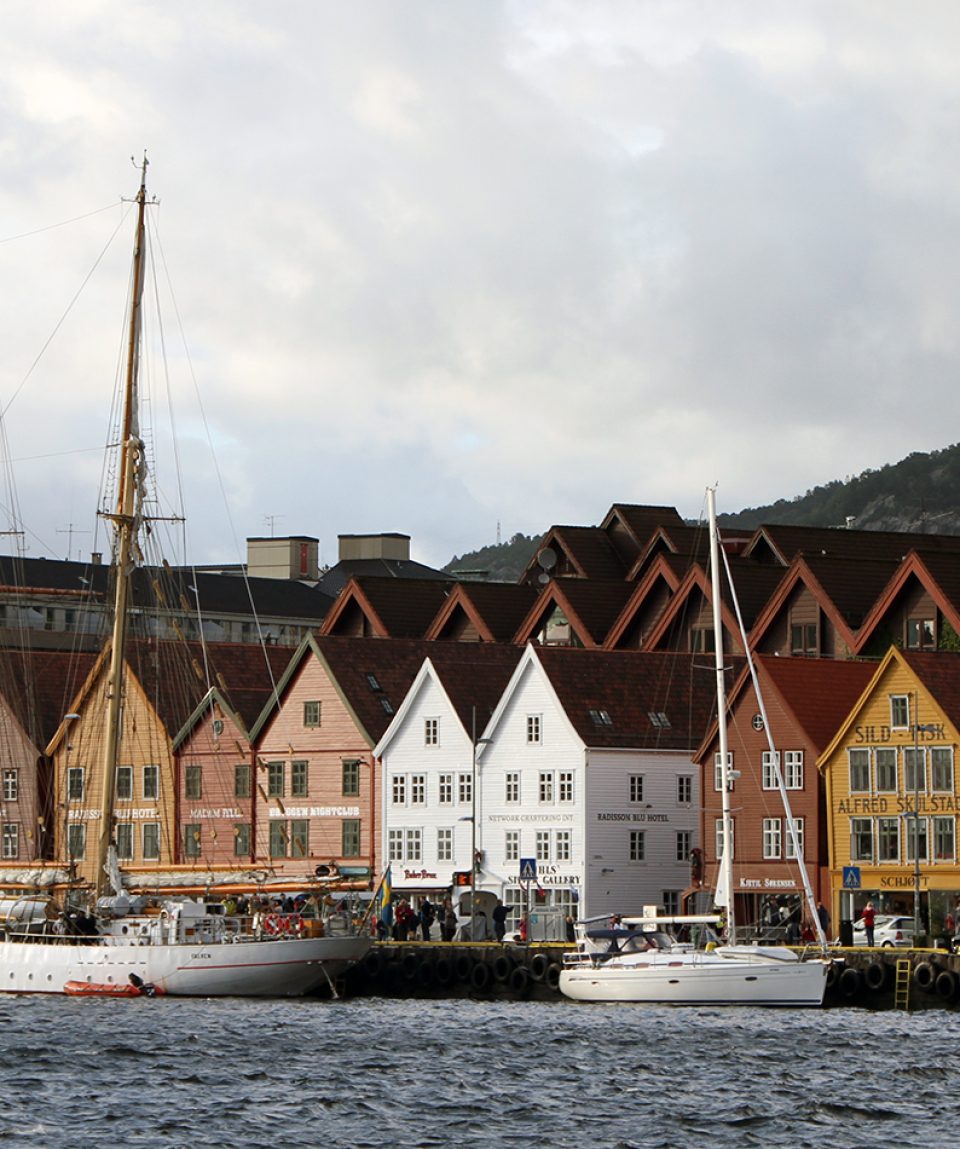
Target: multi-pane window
(563, 844)
(76, 840)
(859, 761)
(718, 836)
(398, 789)
(793, 769)
(684, 789)
(278, 838)
(11, 785)
(193, 782)
(511, 845)
(431, 731)
(772, 844)
(941, 768)
(418, 789)
(299, 774)
(886, 763)
(636, 846)
(900, 711)
(565, 785)
(635, 783)
(413, 840)
(350, 838)
(944, 843)
(914, 768)
(124, 840)
(150, 841)
(512, 787)
(242, 780)
(888, 839)
(534, 729)
(916, 828)
(718, 770)
(798, 826)
(299, 838)
(241, 840)
(920, 634)
(311, 713)
(124, 783)
(465, 788)
(350, 777)
(151, 781)
(395, 845)
(276, 777)
(803, 640)
(546, 786)
(768, 772)
(543, 845)
(671, 902)
(11, 840)
(444, 845)
(191, 840)
(683, 845)
(446, 789)
(861, 839)
(75, 786)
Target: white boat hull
(286, 967)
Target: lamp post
(474, 743)
(917, 727)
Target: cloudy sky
(446, 267)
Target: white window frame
(563, 846)
(768, 761)
(534, 729)
(793, 769)
(788, 840)
(512, 787)
(636, 846)
(511, 845)
(445, 786)
(444, 844)
(545, 789)
(635, 788)
(565, 786)
(899, 711)
(418, 789)
(684, 789)
(11, 785)
(431, 731)
(398, 790)
(772, 839)
(718, 771)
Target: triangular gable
(629, 527)
(660, 581)
(799, 575)
(380, 607)
(590, 609)
(574, 552)
(938, 574)
(482, 612)
(845, 727)
(690, 603)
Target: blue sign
(528, 869)
(851, 877)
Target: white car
(888, 930)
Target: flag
(382, 907)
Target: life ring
(925, 976)
(294, 925)
(519, 981)
(502, 968)
(443, 971)
(481, 976)
(850, 981)
(946, 984)
(273, 925)
(464, 966)
(538, 967)
(875, 976)
(553, 975)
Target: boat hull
(288, 967)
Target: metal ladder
(901, 991)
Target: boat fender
(519, 981)
(538, 967)
(925, 976)
(502, 967)
(553, 975)
(850, 981)
(946, 984)
(875, 976)
(481, 976)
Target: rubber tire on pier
(481, 977)
(426, 973)
(553, 975)
(833, 974)
(502, 968)
(373, 964)
(444, 971)
(850, 982)
(520, 981)
(946, 984)
(410, 966)
(925, 976)
(875, 976)
(539, 965)
(463, 966)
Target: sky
(461, 269)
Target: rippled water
(171, 1072)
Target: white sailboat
(134, 945)
(639, 961)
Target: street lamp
(927, 727)
(475, 742)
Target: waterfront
(172, 1073)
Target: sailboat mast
(124, 521)
(725, 877)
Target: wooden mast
(125, 521)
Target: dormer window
(920, 634)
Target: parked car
(888, 930)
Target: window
(859, 761)
(718, 837)
(671, 902)
(276, 772)
(915, 768)
(718, 771)
(798, 826)
(944, 845)
(888, 839)
(418, 789)
(803, 640)
(11, 785)
(601, 718)
(414, 845)
(920, 634)
(684, 789)
(636, 846)
(124, 839)
(299, 838)
(543, 845)
(311, 713)
(465, 788)
(150, 840)
(772, 846)
(886, 760)
(916, 827)
(242, 780)
(636, 787)
(861, 840)
(151, 782)
(446, 789)
(299, 774)
(350, 837)
(534, 730)
(941, 768)
(563, 849)
(395, 845)
(701, 640)
(900, 711)
(191, 840)
(11, 840)
(659, 719)
(511, 845)
(241, 840)
(768, 769)
(398, 789)
(683, 845)
(278, 839)
(431, 731)
(350, 777)
(444, 845)
(75, 788)
(373, 682)
(76, 840)
(193, 782)
(512, 788)
(546, 786)
(793, 769)
(565, 785)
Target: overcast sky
(440, 266)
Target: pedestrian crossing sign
(528, 869)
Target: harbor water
(171, 1073)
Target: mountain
(920, 494)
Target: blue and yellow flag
(383, 905)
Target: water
(171, 1073)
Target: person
(449, 923)
(427, 917)
(500, 912)
(824, 915)
(869, 919)
(571, 928)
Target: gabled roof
(630, 526)
(391, 608)
(495, 610)
(663, 571)
(939, 672)
(591, 606)
(687, 545)
(580, 552)
(782, 544)
(333, 581)
(39, 687)
(939, 574)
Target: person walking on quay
(427, 918)
(449, 920)
(500, 912)
(869, 919)
(824, 915)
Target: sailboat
(638, 959)
(132, 945)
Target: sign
(528, 869)
(461, 877)
(851, 877)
